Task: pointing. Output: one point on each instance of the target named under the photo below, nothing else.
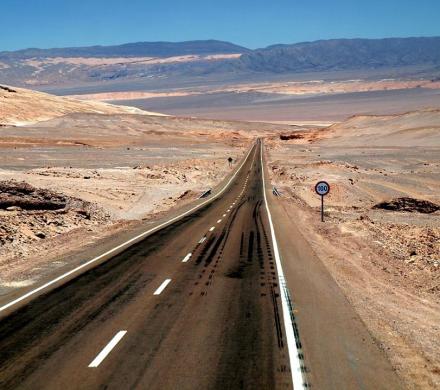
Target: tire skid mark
(208, 243)
(211, 254)
(118, 283)
(286, 293)
(273, 294)
(251, 247)
(252, 266)
(270, 279)
(276, 310)
(215, 247)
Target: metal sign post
(322, 188)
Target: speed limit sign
(322, 188)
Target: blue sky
(252, 23)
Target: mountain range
(137, 49)
(150, 60)
(345, 54)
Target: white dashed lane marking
(212, 228)
(125, 244)
(107, 349)
(202, 240)
(162, 287)
(187, 257)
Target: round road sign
(322, 188)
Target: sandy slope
(21, 106)
(417, 128)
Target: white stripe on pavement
(295, 365)
(187, 257)
(162, 287)
(126, 243)
(107, 349)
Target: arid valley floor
(73, 173)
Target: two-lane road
(200, 304)
(194, 306)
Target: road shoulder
(339, 350)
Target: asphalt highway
(194, 306)
(199, 304)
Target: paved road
(212, 321)
(197, 305)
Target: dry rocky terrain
(90, 170)
(64, 206)
(381, 236)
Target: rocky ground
(63, 208)
(77, 178)
(32, 219)
(381, 236)
(131, 192)
(48, 212)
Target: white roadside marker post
(322, 188)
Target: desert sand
(20, 107)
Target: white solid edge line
(295, 365)
(162, 287)
(187, 257)
(212, 228)
(61, 277)
(107, 349)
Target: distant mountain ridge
(342, 54)
(216, 60)
(137, 49)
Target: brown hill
(416, 128)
